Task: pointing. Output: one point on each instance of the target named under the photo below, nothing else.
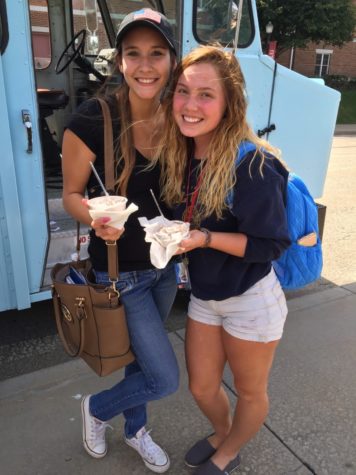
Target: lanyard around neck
(189, 206)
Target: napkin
(164, 236)
(114, 210)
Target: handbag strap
(111, 246)
(108, 146)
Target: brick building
(321, 59)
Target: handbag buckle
(113, 292)
(80, 308)
(113, 286)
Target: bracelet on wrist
(207, 237)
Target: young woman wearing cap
(237, 308)
(145, 58)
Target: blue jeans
(148, 296)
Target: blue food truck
(56, 53)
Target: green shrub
(347, 110)
(340, 82)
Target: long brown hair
(230, 132)
(124, 149)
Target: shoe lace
(148, 446)
(98, 428)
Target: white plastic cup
(107, 203)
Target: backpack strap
(244, 148)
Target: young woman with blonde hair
(146, 56)
(237, 308)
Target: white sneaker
(93, 432)
(155, 458)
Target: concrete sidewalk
(311, 427)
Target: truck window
(86, 15)
(118, 9)
(92, 22)
(41, 41)
(215, 21)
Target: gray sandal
(199, 453)
(209, 468)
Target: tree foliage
(298, 22)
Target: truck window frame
(4, 29)
(36, 35)
(224, 44)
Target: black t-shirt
(133, 251)
(257, 210)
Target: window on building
(41, 40)
(322, 62)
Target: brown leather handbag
(90, 318)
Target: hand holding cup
(109, 215)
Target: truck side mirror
(91, 23)
(232, 14)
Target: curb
(345, 129)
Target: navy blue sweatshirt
(258, 210)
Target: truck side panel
(24, 193)
(303, 111)
(12, 252)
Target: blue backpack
(301, 263)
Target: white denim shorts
(256, 315)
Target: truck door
(292, 111)
(23, 215)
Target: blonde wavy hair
(175, 149)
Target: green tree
(298, 22)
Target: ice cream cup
(107, 203)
